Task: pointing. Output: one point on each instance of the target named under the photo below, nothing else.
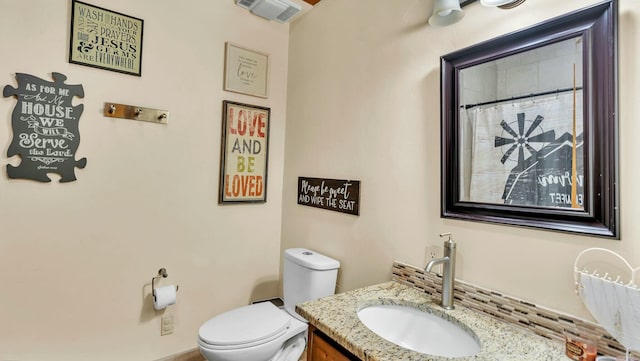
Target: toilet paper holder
(162, 273)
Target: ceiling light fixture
(446, 12)
(502, 4)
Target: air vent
(247, 4)
(287, 14)
(278, 10)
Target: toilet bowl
(258, 332)
(264, 332)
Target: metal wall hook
(134, 112)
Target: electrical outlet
(167, 326)
(433, 252)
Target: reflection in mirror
(521, 128)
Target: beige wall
(363, 104)
(76, 259)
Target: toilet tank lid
(311, 259)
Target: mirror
(529, 126)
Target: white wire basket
(607, 284)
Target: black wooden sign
(45, 128)
(337, 195)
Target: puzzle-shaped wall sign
(45, 128)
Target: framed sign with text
(245, 71)
(245, 153)
(105, 39)
(338, 195)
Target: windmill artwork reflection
(522, 123)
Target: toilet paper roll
(164, 296)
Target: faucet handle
(449, 243)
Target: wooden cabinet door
(322, 348)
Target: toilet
(264, 332)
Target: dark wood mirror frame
(597, 27)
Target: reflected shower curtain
(522, 152)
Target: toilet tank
(307, 275)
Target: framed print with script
(105, 39)
(246, 71)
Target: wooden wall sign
(337, 195)
(45, 128)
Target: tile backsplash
(542, 321)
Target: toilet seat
(246, 326)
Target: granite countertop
(336, 316)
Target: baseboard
(191, 355)
(278, 302)
(194, 355)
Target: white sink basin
(419, 331)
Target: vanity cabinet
(323, 348)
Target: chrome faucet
(448, 270)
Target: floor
(195, 355)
